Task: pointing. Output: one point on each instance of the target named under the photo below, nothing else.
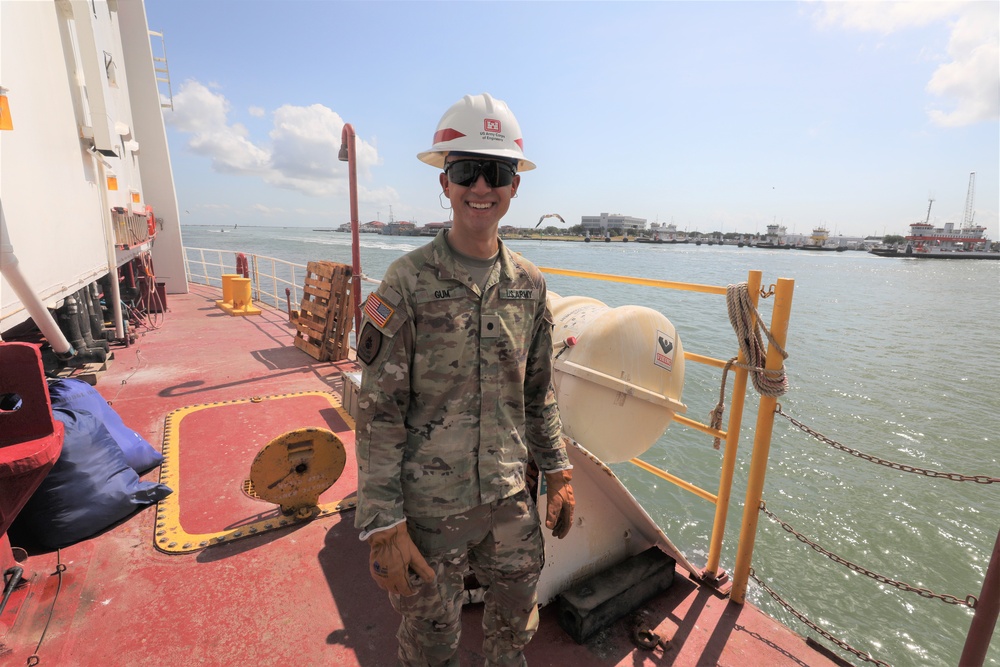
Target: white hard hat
(478, 124)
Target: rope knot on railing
(748, 324)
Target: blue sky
(716, 116)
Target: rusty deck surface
(293, 595)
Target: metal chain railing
(815, 628)
(955, 477)
(969, 601)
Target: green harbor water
(897, 358)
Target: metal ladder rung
(164, 70)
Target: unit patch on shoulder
(377, 309)
(369, 343)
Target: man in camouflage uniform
(456, 395)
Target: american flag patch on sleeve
(378, 310)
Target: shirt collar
(448, 267)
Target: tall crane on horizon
(970, 211)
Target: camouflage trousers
(502, 542)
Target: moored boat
(775, 238)
(884, 252)
(820, 241)
(925, 241)
(669, 234)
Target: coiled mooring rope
(743, 316)
(747, 323)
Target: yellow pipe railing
(663, 474)
(765, 422)
(708, 361)
(668, 284)
(732, 442)
(698, 426)
(761, 442)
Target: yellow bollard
(227, 290)
(242, 301)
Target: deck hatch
(208, 451)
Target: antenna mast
(970, 212)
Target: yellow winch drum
(619, 383)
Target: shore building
(607, 221)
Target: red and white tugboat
(968, 242)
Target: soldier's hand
(393, 555)
(559, 492)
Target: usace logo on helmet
(481, 125)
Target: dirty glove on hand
(393, 555)
(559, 515)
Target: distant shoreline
(535, 237)
(542, 237)
(532, 237)
(529, 237)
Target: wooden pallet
(326, 313)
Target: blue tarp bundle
(95, 483)
(71, 395)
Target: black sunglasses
(466, 172)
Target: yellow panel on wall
(6, 122)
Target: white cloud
(303, 149)
(305, 142)
(969, 82)
(202, 113)
(972, 78)
(256, 112)
(883, 17)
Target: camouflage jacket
(456, 388)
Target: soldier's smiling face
(478, 206)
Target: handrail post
(732, 442)
(256, 273)
(977, 642)
(348, 153)
(762, 442)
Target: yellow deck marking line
(171, 538)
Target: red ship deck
(294, 595)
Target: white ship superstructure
(926, 235)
